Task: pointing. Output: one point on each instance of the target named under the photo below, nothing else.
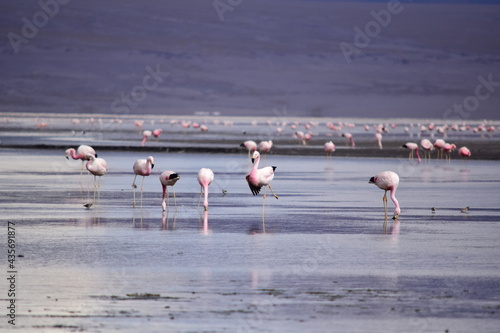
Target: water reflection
(204, 224)
(393, 229)
(165, 219)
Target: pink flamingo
(439, 144)
(205, 178)
(80, 154)
(427, 147)
(250, 145)
(98, 167)
(168, 178)
(413, 147)
(260, 177)
(307, 137)
(349, 137)
(145, 136)
(139, 124)
(265, 146)
(157, 133)
(203, 128)
(464, 152)
(142, 168)
(447, 149)
(378, 137)
(388, 181)
(329, 148)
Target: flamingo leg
(95, 184)
(263, 204)
(81, 172)
(271, 191)
(99, 191)
(142, 187)
(175, 201)
(384, 199)
(134, 187)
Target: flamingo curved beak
(395, 217)
(152, 165)
(372, 180)
(253, 160)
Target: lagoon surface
(324, 259)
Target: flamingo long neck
(352, 141)
(74, 155)
(163, 197)
(205, 202)
(397, 209)
(256, 164)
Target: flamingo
(250, 145)
(265, 146)
(349, 136)
(205, 178)
(447, 149)
(145, 136)
(157, 133)
(413, 147)
(329, 148)
(168, 178)
(142, 168)
(260, 177)
(388, 181)
(80, 154)
(464, 152)
(98, 167)
(427, 147)
(439, 144)
(378, 137)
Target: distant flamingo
(156, 133)
(145, 136)
(250, 145)
(168, 178)
(349, 137)
(98, 167)
(447, 149)
(307, 137)
(413, 147)
(388, 181)
(80, 154)
(260, 177)
(265, 147)
(329, 148)
(427, 147)
(142, 168)
(205, 178)
(378, 137)
(464, 152)
(439, 144)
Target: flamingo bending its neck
(81, 153)
(205, 178)
(168, 178)
(142, 168)
(388, 181)
(413, 147)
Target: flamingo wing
(255, 189)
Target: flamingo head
(397, 211)
(255, 155)
(372, 180)
(68, 152)
(152, 161)
(89, 156)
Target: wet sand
(327, 261)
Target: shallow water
(326, 262)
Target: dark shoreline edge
(480, 150)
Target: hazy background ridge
(264, 55)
